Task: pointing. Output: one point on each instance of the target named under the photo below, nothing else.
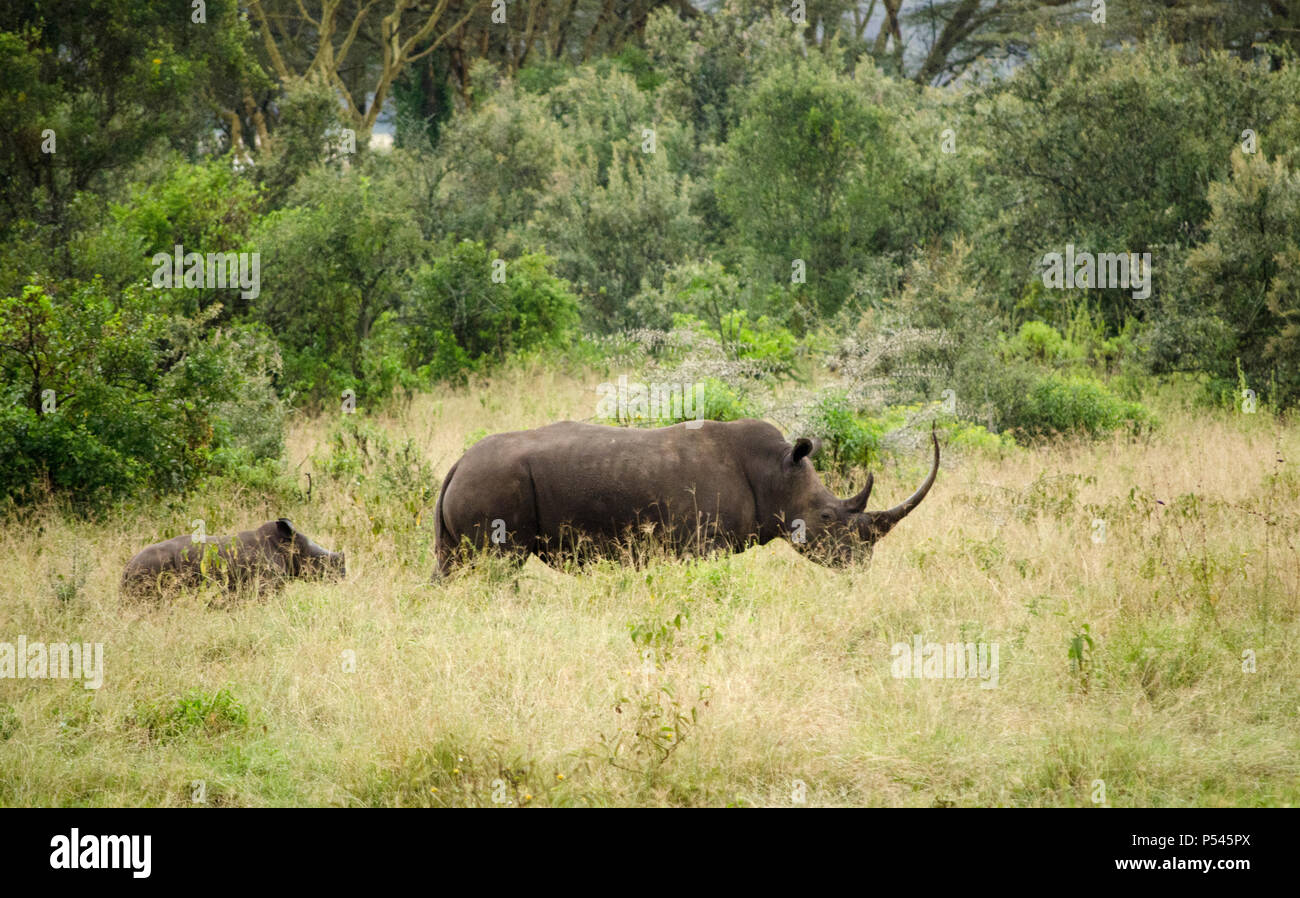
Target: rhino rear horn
(857, 504)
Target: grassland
(759, 679)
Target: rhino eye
(826, 515)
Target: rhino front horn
(883, 521)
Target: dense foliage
(785, 200)
(103, 396)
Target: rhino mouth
(842, 550)
(331, 566)
(854, 540)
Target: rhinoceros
(274, 552)
(579, 491)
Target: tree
(1248, 269)
(398, 33)
(807, 177)
(1112, 152)
(92, 86)
(335, 259)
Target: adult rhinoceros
(572, 490)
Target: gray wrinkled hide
(273, 552)
(573, 490)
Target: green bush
(702, 289)
(358, 452)
(205, 206)
(848, 441)
(852, 439)
(761, 340)
(308, 132)
(1059, 404)
(965, 435)
(390, 481)
(725, 403)
(100, 397)
(717, 402)
(1038, 341)
(196, 713)
(458, 318)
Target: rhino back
(168, 555)
(603, 479)
(182, 555)
(251, 551)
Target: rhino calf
(274, 552)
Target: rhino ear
(803, 448)
(284, 527)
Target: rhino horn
(858, 503)
(882, 521)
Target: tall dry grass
(756, 679)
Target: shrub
(458, 318)
(1040, 342)
(965, 435)
(725, 403)
(100, 397)
(1060, 404)
(358, 452)
(853, 439)
(392, 483)
(716, 402)
(848, 440)
(701, 289)
(196, 713)
(761, 340)
(308, 132)
(205, 206)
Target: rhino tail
(443, 545)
